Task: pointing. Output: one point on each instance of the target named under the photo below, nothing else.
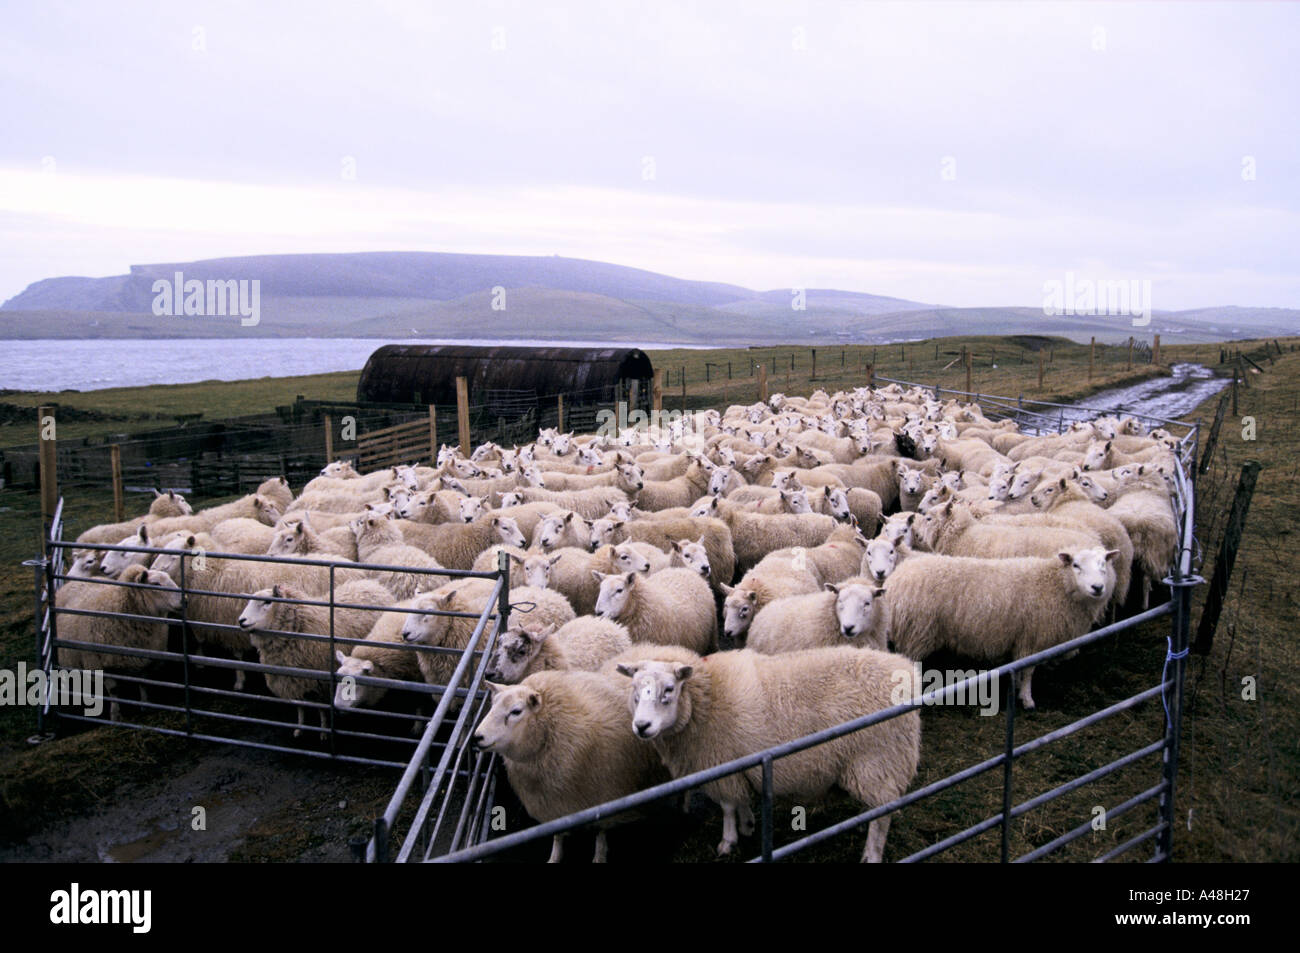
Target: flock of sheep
(684, 596)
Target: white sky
(144, 132)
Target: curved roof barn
(426, 373)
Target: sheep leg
(1027, 696)
(297, 732)
(1146, 592)
(239, 679)
(746, 820)
(877, 831)
(557, 849)
(324, 727)
(602, 849)
(729, 838)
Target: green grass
(1240, 761)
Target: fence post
(503, 601)
(1008, 764)
(1226, 558)
(871, 375)
(433, 435)
(1180, 587)
(683, 390)
(1092, 356)
(762, 383)
(814, 363)
(657, 393)
(119, 505)
(1130, 352)
(49, 465)
(1040, 370)
(329, 440)
(559, 413)
(1155, 351)
(969, 359)
(462, 415)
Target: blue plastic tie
(1170, 655)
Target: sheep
(379, 541)
(264, 620)
(585, 644)
(879, 476)
(839, 504)
(114, 562)
(565, 745)
(560, 529)
(672, 607)
(625, 475)
(663, 532)
(843, 614)
(295, 536)
(589, 504)
(990, 608)
(754, 535)
(457, 545)
(912, 485)
(383, 655)
(1149, 521)
(527, 516)
(691, 554)
(149, 634)
(737, 703)
(954, 531)
(277, 490)
(881, 557)
(254, 507)
(679, 491)
(85, 564)
(487, 561)
(164, 505)
(431, 506)
(243, 535)
(453, 632)
(569, 572)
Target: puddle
(1167, 397)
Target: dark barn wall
(426, 373)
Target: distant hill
(431, 294)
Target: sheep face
(796, 501)
(718, 480)
(855, 608)
(266, 510)
(615, 591)
(429, 629)
(1091, 571)
(1022, 483)
(471, 508)
(621, 511)
(590, 456)
(531, 475)
(259, 611)
(505, 729)
(603, 532)
(551, 530)
(562, 444)
(880, 559)
(837, 502)
(656, 697)
(114, 563)
(705, 506)
(738, 612)
(509, 460)
(1047, 493)
(628, 559)
(630, 477)
(339, 470)
(85, 564)
(514, 652)
(1000, 487)
(288, 541)
(508, 531)
(911, 481)
(482, 452)
(177, 542)
(693, 555)
(446, 455)
(537, 570)
(899, 528)
(1095, 457)
(786, 480)
(1096, 492)
(349, 693)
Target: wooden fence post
(683, 390)
(1227, 557)
(814, 363)
(1092, 356)
(433, 435)
(1213, 439)
(1040, 370)
(1130, 352)
(657, 393)
(969, 358)
(762, 383)
(119, 504)
(329, 440)
(1155, 351)
(45, 432)
(462, 415)
(871, 375)
(559, 413)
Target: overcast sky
(962, 153)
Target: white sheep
(991, 608)
(672, 607)
(844, 614)
(586, 644)
(702, 712)
(564, 741)
(380, 541)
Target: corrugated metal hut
(505, 376)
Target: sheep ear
(831, 587)
(683, 672)
(447, 597)
(910, 518)
(1062, 483)
(569, 518)
(339, 656)
(516, 558)
(534, 700)
(492, 687)
(157, 492)
(629, 578)
(677, 545)
(275, 591)
(1065, 558)
(726, 589)
(143, 533)
(877, 593)
(752, 596)
(1111, 554)
(629, 670)
(600, 576)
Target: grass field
(1238, 788)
